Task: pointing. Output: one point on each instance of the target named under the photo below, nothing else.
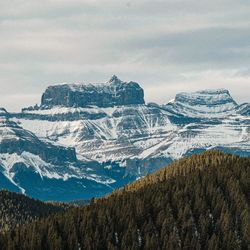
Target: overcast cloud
(167, 46)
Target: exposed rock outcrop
(113, 93)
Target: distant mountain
(84, 140)
(43, 169)
(113, 93)
(200, 202)
(17, 209)
(205, 104)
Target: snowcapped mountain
(43, 169)
(206, 103)
(87, 139)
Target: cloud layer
(167, 46)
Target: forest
(199, 202)
(17, 209)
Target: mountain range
(85, 140)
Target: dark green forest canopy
(201, 202)
(17, 209)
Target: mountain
(200, 202)
(44, 170)
(113, 137)
(206, 103)
(17, 209)
(114, 92)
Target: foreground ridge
(201, 202)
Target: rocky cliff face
(113, 93)
(90, 148)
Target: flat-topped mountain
(208, 97)
(112, 93)
(113, 142)
(205, 103)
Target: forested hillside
(17, 209)
(201, 202)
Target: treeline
(201, 202)
(17, 209)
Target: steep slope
(3, 112)
(45, 170)
(17, 209)
(201, 202)
(244, 109)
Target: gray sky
(167, 46)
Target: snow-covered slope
(119, 141)
(120, 133)
(44, 169)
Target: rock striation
(205, 103)
(16, 140)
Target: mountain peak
(114, 79)
(3, 111)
